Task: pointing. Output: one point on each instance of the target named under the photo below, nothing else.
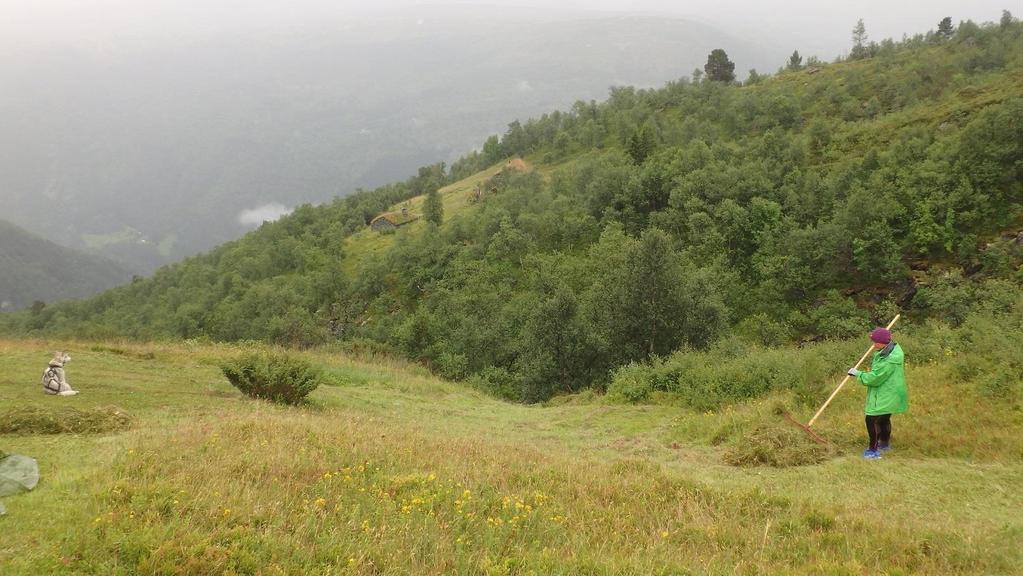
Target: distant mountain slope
(32, 268)
(154, 153)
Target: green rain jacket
(886, 383)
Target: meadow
(390, 470)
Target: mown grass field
(392, 471)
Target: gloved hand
(853, 372)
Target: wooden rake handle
(846, 379)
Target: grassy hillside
(798, 207)
(392, 471)
(37, 269)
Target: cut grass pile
(778, 445)
(63, 420)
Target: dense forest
(798, 206)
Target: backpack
(51, 380)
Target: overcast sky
(820, 27)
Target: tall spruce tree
(945, 29)
(719, 68)
(795, 61)
(859, 38)
(433, 208)
(641, 144)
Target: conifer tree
(795, 61)
(1006, 19)
(945, 29)
(640, 145)
(859, 38)
(719, 68)
(433, 208)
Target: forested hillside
(149, 152)
(799, 206)
(34, 270)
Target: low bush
(761, 329)
(632, 382)
(498, 382)
(734, 371)
(275, 376)
(983, 345)
(64, 420)
(952, 297)
(837, 317)
(989, 347)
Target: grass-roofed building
(390, 221)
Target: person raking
(887, 393)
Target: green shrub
(838, 317)
(496, 381)
(631, 383)
(734, 371)
(275, 376)
(1002, 258)
(1000, 383)
(761, 329)
(932, 341)
(990, 345)
(452, 366)
(948, 296)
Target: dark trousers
(879, 429)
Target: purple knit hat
(881, 335)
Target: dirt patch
(64, 420)
(517, 165)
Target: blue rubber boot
(869, 454)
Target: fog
(264, 213)
(820, 28)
